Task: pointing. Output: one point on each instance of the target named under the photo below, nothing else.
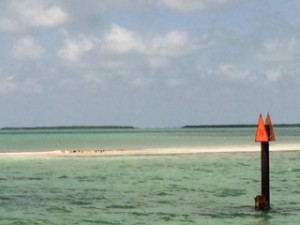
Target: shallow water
(197, 189)
(108, 139)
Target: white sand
(153, 152)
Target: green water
(196, 189)
(108, 139)
(202, 189)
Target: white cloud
(130, 56)
(192, 5)
(161, 49)
(27, 49)
(121, 40)
(233, 72)
(74, 49)
(273, 75)
(31, 13)
(280, 50)
(174, 43)
(12, 81)
(118, 46)
(7, 84)
(90, 80)
(44, 17)
(157, 50)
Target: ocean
(23, 140)
(216, 188)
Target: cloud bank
(149, 57)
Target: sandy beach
(149, 152)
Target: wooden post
(262, 202)
(265, 173)
(265, 168)
(264, 134)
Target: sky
(148, 63)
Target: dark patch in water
(91, 190)
(233, 212)
(294, 203)
(90, 178)
(100, 222)
(26, 178)
(231, 192)
(186, 219)
(63, 177)
(157, 178)
(206, 170)
(81, 203)
(121, 207)
(167, 216)
(243, 164)
(188, 189)
(58, 209)
(173, 186)
(139, 214)
(286, 211)
(35, 178)
(227, 215)
(163, 194)
(5, 198)
(86, 180)
(163, 202)
(284, 180)
(255, 181)
(91, 207)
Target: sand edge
(149, 152)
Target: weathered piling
(264, 134)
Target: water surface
(199, 189)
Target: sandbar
(150, 152)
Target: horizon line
(133, 127)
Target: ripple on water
(227, 192)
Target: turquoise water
(202, 189)
(195, 189)
(108, 139)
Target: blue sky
(148, 63)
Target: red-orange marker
(270, 127)
(261, 133)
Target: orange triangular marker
(261, 133)
(271, 129)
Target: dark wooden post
(265, 172)
(262, 202)
(264, 134)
